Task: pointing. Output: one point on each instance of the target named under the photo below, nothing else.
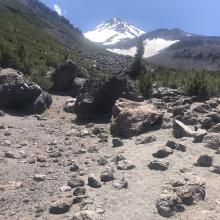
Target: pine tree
(137, 66)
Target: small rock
(116, 142)
(162, 153)
(107, 176)
(78, 199)
(120, 184)
(70, 106)
(76, 182)
(215, 129)
(158, 165)
(173, 145)
(102, 161)
(203, 108)
(74, 168)
(31, 160)
(125, 165)
(98, 131)
(55, 154)
(119, 157)
(94, 182)
(215, 169)
(11, 155)
(100, 211)
(41, 159)
(207, 122)
(145, 140)
(205, 161)
(181, 147)
(60, 207)
(79, 191)
(7, 133)
(93, 150)
(65, 189)
(7, 143)
(212, 140)
(39, 177)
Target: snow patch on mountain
(152, 47)
(113, 31)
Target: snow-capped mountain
(113, 31)
(121, 37)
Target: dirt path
(49, 147)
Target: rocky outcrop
(177, 194)
(64, 76)
(98, 96)
(134, 118)
(16, 93)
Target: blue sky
(196, 16)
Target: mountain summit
(113, 31)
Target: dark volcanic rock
(107, 176)
(76, 182)
(158, 165)
(60, 207)
(94, 182)
(98, 96)
(16, 93)
(205, 161)
(64, 76)
(162, 153)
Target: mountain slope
(196, 52)
(33, 38)
(113, 31)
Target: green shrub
(198, 85)
(39, 77)
(145, 85)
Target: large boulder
(97, 96)
(20, 94)
(134, 118)
(68, 77)
(64, 76)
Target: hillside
(33, 38)
(191, 53)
